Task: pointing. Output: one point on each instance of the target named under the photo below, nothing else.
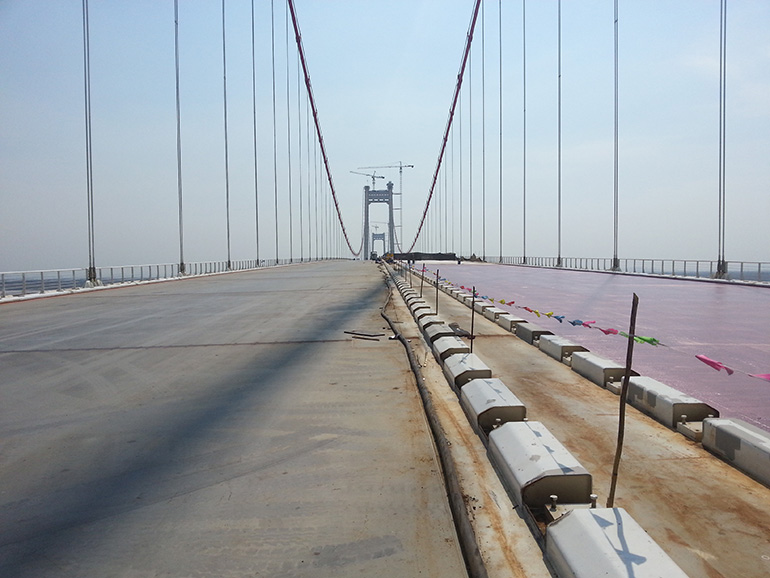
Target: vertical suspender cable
(558, 161)
(447, 200)
(721, 264)
(288, 140)
(299, 148)
(721, 110)
(458, 86)
(460, 124)
(319, 134)
(178, 139)
(500, 40)
(470, 155)
(254, 129)
(309, 180)
(452, 172)
(524, 131)
(316, 173)
(615, 260)
(91, 273)
(227, 155)
(483, 141)
(275, 130)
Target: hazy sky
(383, 75)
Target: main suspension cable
(458, 86)
(319, 134)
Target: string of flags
(714, 364)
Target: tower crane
(400, 166)
(373, 176)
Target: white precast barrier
(489, 403)
(463, 367)
(426, 321)
(437, 331)
(597, 369)
(741, 444)
(493, 313)
(423, 314)
(467, 299)
(666, 404)
(559, 347)
(480, 306)
(443, 347)
(530, 332)
(416, 304)
(410, 297)
(509, 322)
(586, 543)
(534, 465)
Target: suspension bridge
(197, 204)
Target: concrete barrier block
(429, 320)
(422, 312)
(741, 444)
(559, 347)
(437, 331)
(509, 322)
(415, 304)
(534, 465)
(666, 404)
(489, 403)
(410, 297)
(443, 347)
(597, 369)
(585, 543)
(493, 313)
(530, 332)
(482, 305)
(467, 299)
(459, 369)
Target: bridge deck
(220, 426)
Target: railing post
(23, 284)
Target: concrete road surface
(219, 426)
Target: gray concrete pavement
(221, 426)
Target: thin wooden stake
(623, 395)
(436, 291)
(473, 315)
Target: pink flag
(715, 364)
(765, 376)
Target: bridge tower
(375, 196)
(379, 237)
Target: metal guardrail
(21, 283)
(749, 271)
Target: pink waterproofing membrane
(686, 329)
